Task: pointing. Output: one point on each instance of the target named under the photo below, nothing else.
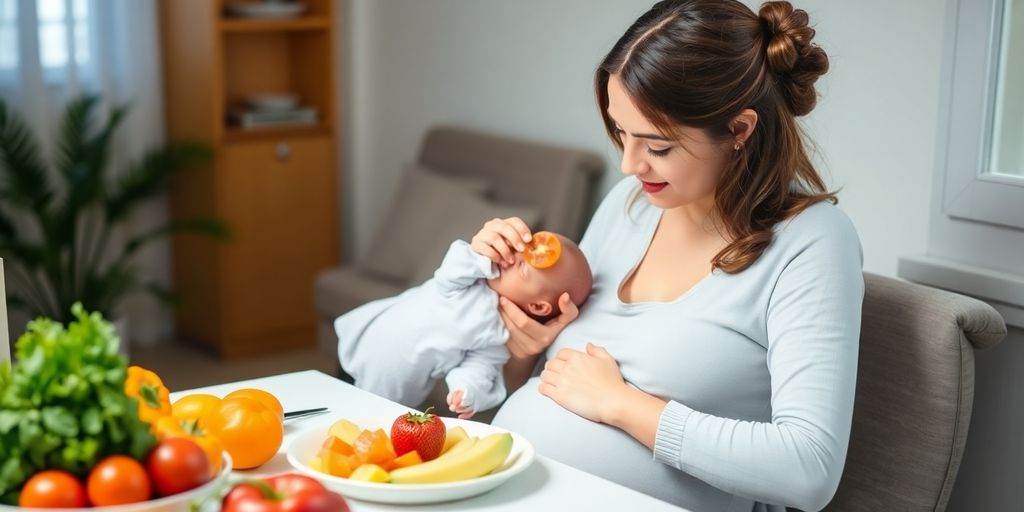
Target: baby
(450, 327)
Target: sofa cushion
(464, 217)
(415, 218)
(340, 290)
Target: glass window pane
(8, 47)
(81, 9)
(51, 10)
(8, 11)
(81, 43)
(53, 45)
(1007, 156)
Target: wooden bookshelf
(274, 186)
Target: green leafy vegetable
(63, 405)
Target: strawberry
(424, 433)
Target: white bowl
(180, 502)
(307, 443)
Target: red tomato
(116, 480)
(284, 493)
(176, 465)
(52, 489)
(424, 433)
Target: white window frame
(976, 231)
(971, 192)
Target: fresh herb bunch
(63, 405)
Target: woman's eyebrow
(652, 136)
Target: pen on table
(304, 412)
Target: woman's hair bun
(791, 55)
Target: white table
(545, 485)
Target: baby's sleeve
(461, 268)
(479, 376)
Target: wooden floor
(182, 367)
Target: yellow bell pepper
(170, 426)
(149, 391)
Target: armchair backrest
(915, 391)
(560, 180)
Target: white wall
(525, 68)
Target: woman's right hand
(500, 240)
(528, 337)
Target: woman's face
(673, 173)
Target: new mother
(714, 365)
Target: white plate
(180, 502)
(306, 445)
(266, 9)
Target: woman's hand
(528, 337)
(588, 384)
(501, 239)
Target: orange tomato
(250, 431)
(543, 250)
(198, 406)
(52, 488)
(170, 427)
(261, 396)
(117, 480)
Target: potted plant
(57, 225)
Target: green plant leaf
(74, 130)
(201, 225)
(24, 179)
(149, 178)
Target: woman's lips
(653, 188)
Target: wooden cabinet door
(278, 198)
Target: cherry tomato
(117, 480)
(176, 465)
(543, 250)
(284, 493)
(263, 397)
(52, 489)
(250, 431)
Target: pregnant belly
(603, 450)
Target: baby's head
(536, 291)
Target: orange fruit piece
(543, 250)
(408, 459)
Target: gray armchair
(461, 179)
(915, 390)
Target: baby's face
(523, 284)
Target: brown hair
(699, 63)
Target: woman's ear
(542, 308)
(743, 125)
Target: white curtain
(53, 50)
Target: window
(976, 232)
(62, 30)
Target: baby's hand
(500, 239)
(455, 405)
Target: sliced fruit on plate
(375, 448)
(408, 459)
(423, 432)
(453, 436)
(478, 459)
(370, 473)
(345, 430)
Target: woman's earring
(737, 146)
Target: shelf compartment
(251, 25)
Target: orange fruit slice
(543, 250)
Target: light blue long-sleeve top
(448, 327)
(758, 367)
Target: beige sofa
(461, 179)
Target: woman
(722, 332)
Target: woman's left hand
(586, 383)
